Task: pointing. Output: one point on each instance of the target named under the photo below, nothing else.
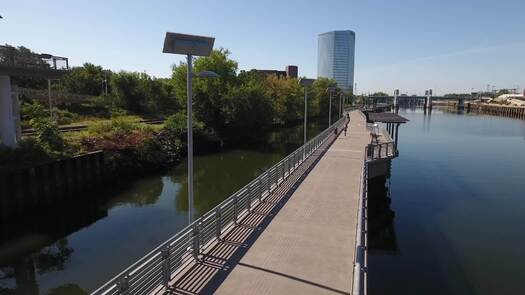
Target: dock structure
(298, 228)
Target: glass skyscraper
(335, 60)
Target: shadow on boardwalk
(206, 276)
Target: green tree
(248, 112)
(286, 95)
(127, 88)
(87, 79)
(208, 94)
(321, 97)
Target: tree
(286, 96)
(87, 79)
(248, 112)
(380, 93)
(321, 97)
(125, 88)
(208, 94)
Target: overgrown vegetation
(235, 108)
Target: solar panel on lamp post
(190, 45)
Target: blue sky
(413, 45)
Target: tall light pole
(189, 45)
(305, 83)
(330, 90)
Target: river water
(449, 220)
(453, 210)
(77, 247)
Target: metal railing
(24, 58)
(154, 271)
(380, 150)
(361, 241)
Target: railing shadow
(205, 276)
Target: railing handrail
(361, 245)
(121, 280)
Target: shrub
(48, 135)
(205, 139)
(114, 127)
(64, 117)
(33, 109)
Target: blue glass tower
(335, 60)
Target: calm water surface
(456, 211)
(79, 246)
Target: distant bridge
(416, 100)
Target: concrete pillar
(9, 114)
(396, 94)
(461, 104)
(396, 135)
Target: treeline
(236, 105)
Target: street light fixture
(330, 90)
(190, 45)
(305, 83)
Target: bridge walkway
(301, 239)
(308, 248)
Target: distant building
(335, 60)
(289, 72)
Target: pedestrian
(346, 128)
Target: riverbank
(508, 111)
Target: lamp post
(330, 90)
(305, 83)
(189, 45)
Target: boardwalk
(308, 248)
(297, 237)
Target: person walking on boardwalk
(346, 128)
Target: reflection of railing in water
(154, 271)
(381, 232)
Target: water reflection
(75, 247)
(381, 232)
(33, 246)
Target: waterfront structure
(335, 59)
(18, 64)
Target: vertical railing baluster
(218, 223)
(123, 287)
(166, 273)
(249, 197)
(235, 209)
(268, 182)
(260, 189)
(196, 240)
